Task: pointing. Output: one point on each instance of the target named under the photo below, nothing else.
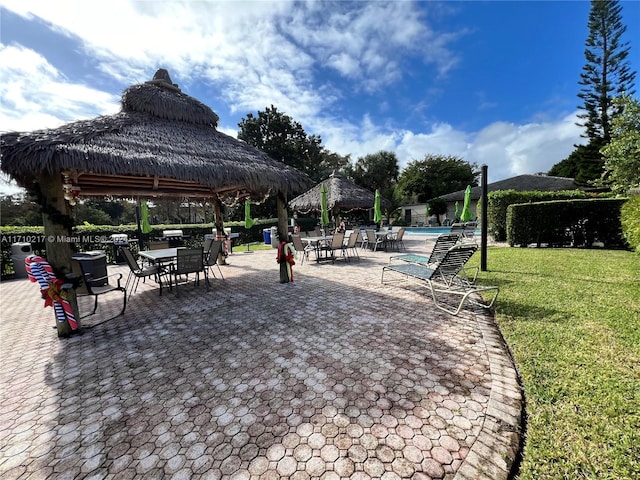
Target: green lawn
(572, 320)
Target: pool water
(430, 230)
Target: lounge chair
(444, 277)
(443, 243)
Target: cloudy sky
(492, 82)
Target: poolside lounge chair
(443, 243)
(444, 277)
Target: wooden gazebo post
(56, 218)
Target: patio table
(160, 256)
(317, 243)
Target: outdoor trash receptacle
(93, 263)
(274, 237)
(20, 251)
(266, 235)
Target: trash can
(274, 237)
(266, 235)
(93, 263)
(20, 251)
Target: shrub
(630, 220)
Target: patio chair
(363, 239)
(469, 229)
(399, 238)
(337, 244)
(374, 240)
(352, 244)
(189, 260)
(96, 286)
(136, 272)
(301, 248)
(444, 278)
(212, 249)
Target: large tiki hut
(162, 143)
(343, 196)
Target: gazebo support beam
(283, 218)
(55, 211)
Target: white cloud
(35, 95)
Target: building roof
(520, 183)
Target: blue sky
(492, 82)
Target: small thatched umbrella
(342, 195)
(162, 143)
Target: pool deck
(332, 376)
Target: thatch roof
(342, 194)
(162, 142)
(520, 183)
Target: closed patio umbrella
(457, 211)
(144, 218)
(248, 221)
(466, 214)
(377, 213)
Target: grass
(253, 246)
(572, 320)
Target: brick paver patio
(332, 376)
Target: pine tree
(606, 74)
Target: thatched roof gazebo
(342, 196)
(162, 143)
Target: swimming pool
(430, 230)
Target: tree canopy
(376, 171)
(284, 140)
(622, 153)
(436, 175)
(605, 75)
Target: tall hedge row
(499, 201)
(630, 219)
(575, 223)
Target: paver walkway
(332, 376)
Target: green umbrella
(248, 221)
(144, 218)
(377, 213)
(324, 211)
(427, 211)
(457, 209)
(466, 214)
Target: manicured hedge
(576, 223)
(630, 218)
(499, 201)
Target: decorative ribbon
(39, 270)
(286, 254)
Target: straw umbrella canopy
(342, 195)
(162, 143)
